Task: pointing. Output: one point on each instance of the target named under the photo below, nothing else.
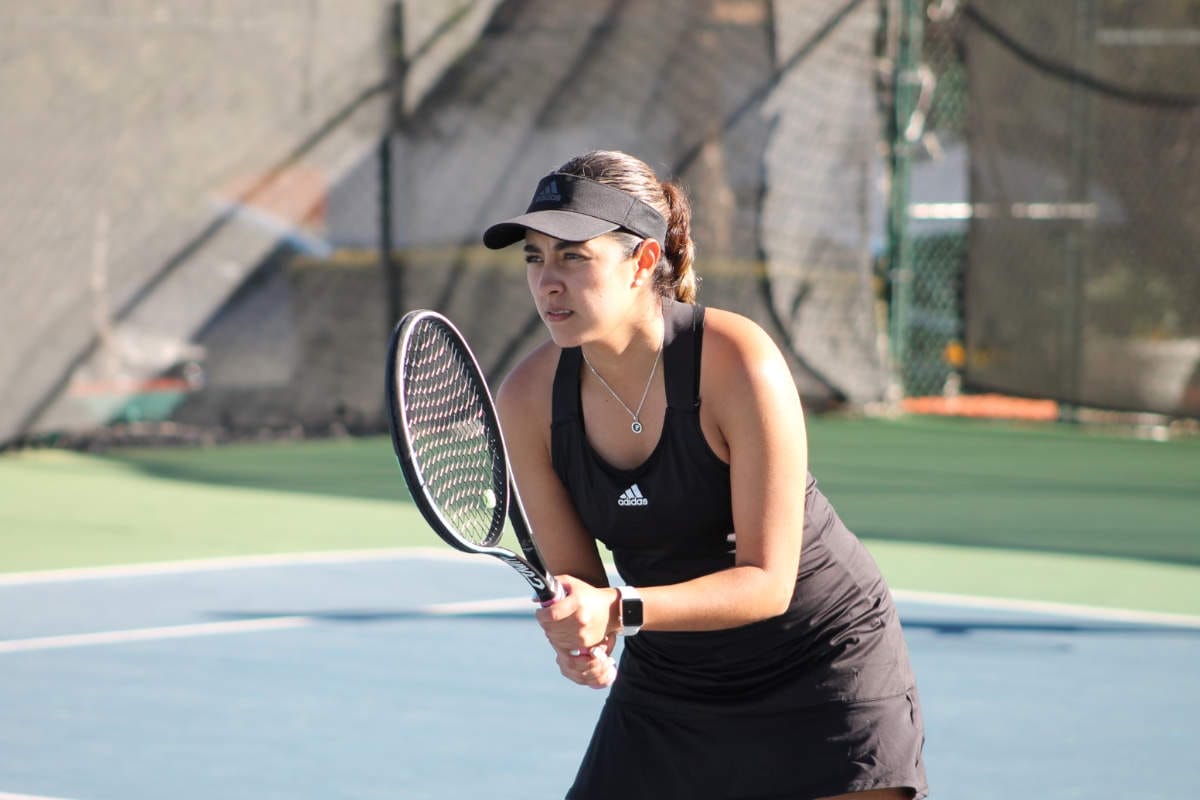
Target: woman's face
(582, 290)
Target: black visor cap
(576, 209)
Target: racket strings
(454, 445)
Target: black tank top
(670, 519)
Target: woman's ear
(646, 255)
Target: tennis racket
(448, 442)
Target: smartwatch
(629, 610)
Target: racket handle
(559, 594)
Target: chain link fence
(930, 229)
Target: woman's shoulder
(734, 341)
(527, 385)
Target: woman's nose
(548, 280)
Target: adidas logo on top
(549, 193)
(632, 497)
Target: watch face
(631, 612)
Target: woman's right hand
(577, 625)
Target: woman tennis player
(762, 655)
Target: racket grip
(559, 594)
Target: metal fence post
(900, 269)
(397, 66)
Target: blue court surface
(413, 674)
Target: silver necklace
(636, 427)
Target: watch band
(629, 610)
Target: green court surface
(1050, 514)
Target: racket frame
(529, 565)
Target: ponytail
(679, 251)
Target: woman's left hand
(594, 667)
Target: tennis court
(305, 638)
(216, 212)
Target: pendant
(636, 427)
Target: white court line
(446, 554)
(507, 604)
(524, 604)
(501, 605)
(10, 796)
(1043, 607)
(233, 562)
(152, 634)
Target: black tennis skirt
(652, 752)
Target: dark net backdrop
(1082, 281)
(214, 213)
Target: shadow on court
(965, 628)
(377, 616)
(943, 627)
(363, 468)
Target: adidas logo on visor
(632, 497)
(549, 193)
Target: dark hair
(674, 275)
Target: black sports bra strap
(684, 328)
(566, 385)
